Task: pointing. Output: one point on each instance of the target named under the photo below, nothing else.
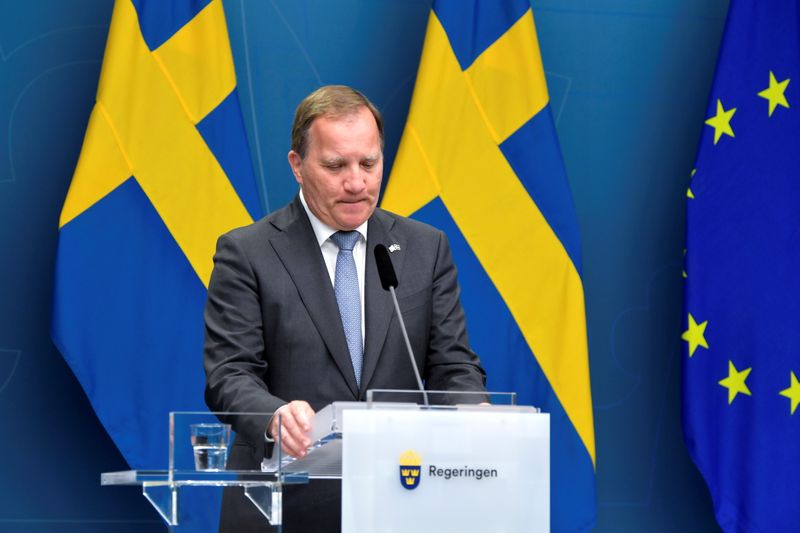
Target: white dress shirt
(329, 250)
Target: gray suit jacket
(273, 332)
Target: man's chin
(351, 220)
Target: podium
(439, 462)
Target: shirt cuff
(267, 438)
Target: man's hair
(333, 101)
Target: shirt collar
(322, 231)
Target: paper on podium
(324, 458)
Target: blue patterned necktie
(345, 286)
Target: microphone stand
(408, 347)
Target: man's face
(341, 173)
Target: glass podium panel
(199, 446)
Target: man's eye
(368, 164)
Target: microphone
(385, 268)
(389, 283)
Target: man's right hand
(295, 423)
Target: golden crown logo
(410, 462)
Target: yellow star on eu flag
(735, 382)
(689, 193)
(793, 392)
(695, 335)
(775, 93)
(721, 122)
(683, 272)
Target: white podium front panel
(442, 470)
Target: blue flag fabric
(164, 170)
(742, 304)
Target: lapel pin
(394, 247)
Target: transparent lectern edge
(510, 396)
(215, 413)
(126, 477)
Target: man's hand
(295, 423)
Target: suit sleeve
(450, 363)
(233, 357)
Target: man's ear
(296, 162)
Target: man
(296, 317)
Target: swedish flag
(164, 170)
(742, 305)
(480, 159)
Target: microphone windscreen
(385, 267)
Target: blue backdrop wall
(629, 81)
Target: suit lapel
(378, 307)
(300, 254)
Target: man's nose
(356, 180)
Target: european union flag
(742, 306)
(480, 159)
(164, 170)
